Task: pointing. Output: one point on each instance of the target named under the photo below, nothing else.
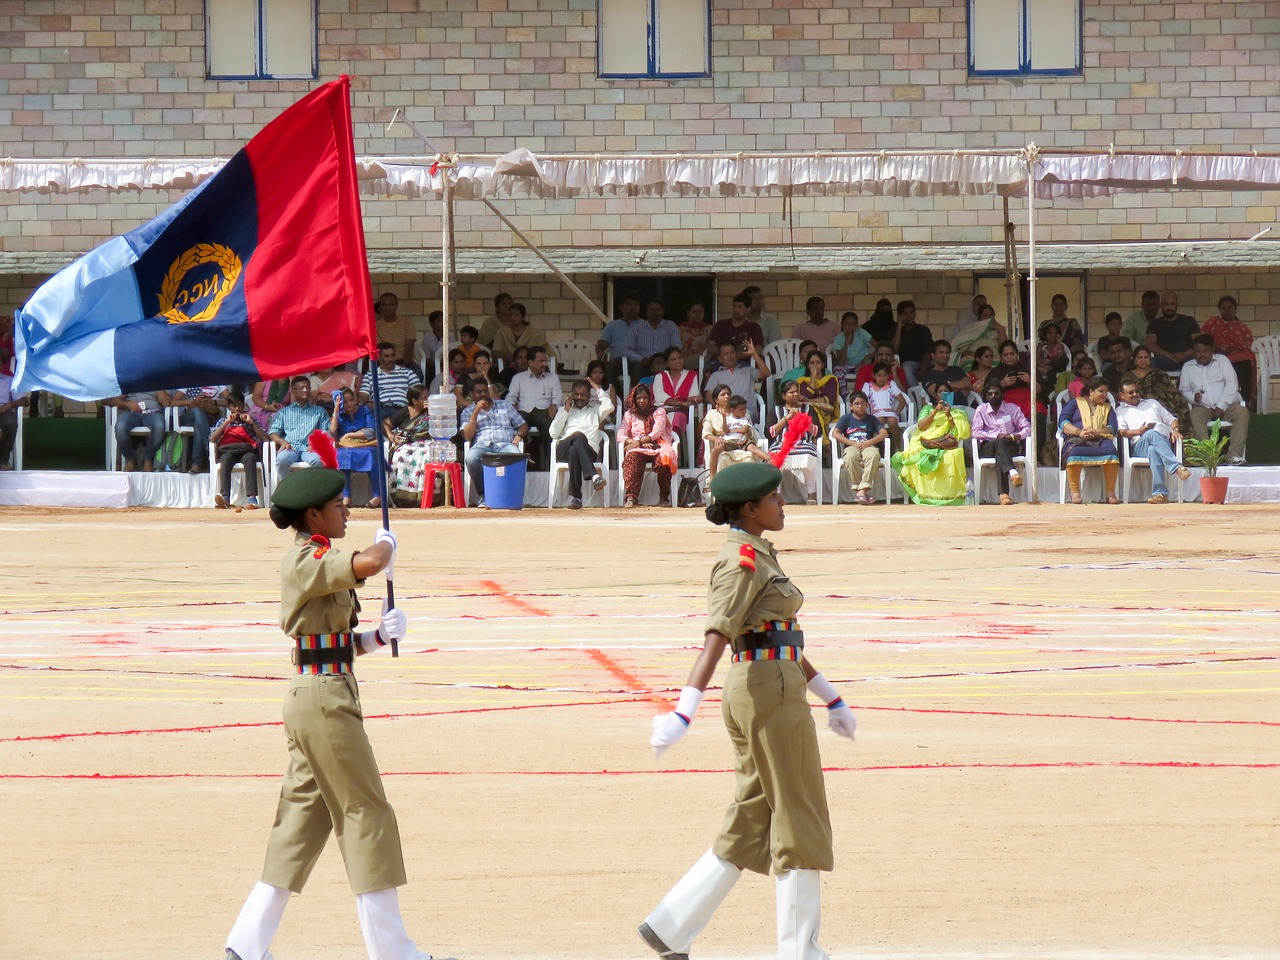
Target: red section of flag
(307, 284)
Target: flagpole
(382, 486)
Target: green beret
(312, 487)
(743, 482)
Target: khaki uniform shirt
(317, 589)
(748, 587)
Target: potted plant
(1209, 454)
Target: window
(260, 39)
(1018, 37)
(664, 39)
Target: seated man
(491, 426)
(742, 379)
(536, 394)
(938, 375)
(861, 435)
(9, 404)
(1001, 430)
(139, 410)
(292, 426)
(200, 407)
(237, 438)
(394, 381)
(576, 433)
(1154, 431)
(1119, 361)
(1209, 383)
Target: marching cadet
(331, 784)
(778, 819)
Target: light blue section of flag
(64, 337)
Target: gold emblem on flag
(179, 294)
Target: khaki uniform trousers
(779, 813)
(331, 785)
(861, 466)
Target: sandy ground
(1069, 741)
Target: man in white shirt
(1154, 431)
(537, 395)
(1209, 383)
(576, 432)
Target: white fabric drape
(521, 174)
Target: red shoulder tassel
(322, 445)
(797, 427)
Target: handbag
(944, 442)
(690, 492)
(209, 406)
(351, 440)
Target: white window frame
(275, 46)
(1025, 51)
(618, 22)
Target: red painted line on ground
(885, 768)
(500, 592)
(633, 683)
(1067, 716)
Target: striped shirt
(643, 341)
(495, 427)
(393, 385)
(296, 423)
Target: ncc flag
(258, 273)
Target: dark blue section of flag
(220, 215)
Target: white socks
(688, 907)
(799, 915)
(384, 934)
(259, 919)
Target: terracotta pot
(1214, 489)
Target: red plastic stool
(452, 475)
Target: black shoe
(575, 503)
(656, 945)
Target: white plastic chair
(981, 463)
(16, 457)
(113, 452)
(839, 480)
(173, 424)
(1267, 352)
(559, 472)
(1130, 460)
(782, 355)
(266, 466)
(648, 468)
(571, 357)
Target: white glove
(839, 717)
(670, 728)
(386, 536)
(394, 624)
(842, 721)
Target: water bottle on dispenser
(442, 415)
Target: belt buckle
(293, 656)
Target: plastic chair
(559, 470)
(266, 465)
(1130, 461)
(466, 474)
(572, 356)
(782, 355)
(16, 457)
(675, 474)
(113, 452)
(173, 424)
(981, 463)
(837, 471)
(1267, 352)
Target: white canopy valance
(522, 174)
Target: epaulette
(322, 545)
(747, 557)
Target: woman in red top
(1232, 336)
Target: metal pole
(1032, 345)
(446, 275)
(382, 486)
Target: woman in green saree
(932, 468)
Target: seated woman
(410, 448)
(356, 434)
(986, 332)
(984, 361)
(1232, 336)
(932, 468)
(1083, 370)
(676, 390)
(851, 348)
(803, 458)
(1155, 384)
(267, 399)
(715, 429)
(598, 374)
(1013, 373)
(820, 391)
(645, 435)
(1088, 426)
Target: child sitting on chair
(739, 434)
(237, 439)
